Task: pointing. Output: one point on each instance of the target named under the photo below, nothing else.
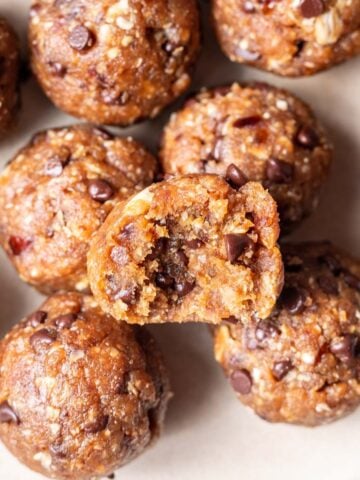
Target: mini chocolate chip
(352, 280)
(194, 244)
(331, 262)
(18, 244)
(58, 69)
(281, 369)
(111, 476)
(235, 177)
(278, 171)
(247, 121)
(312, 8)
(266, 329)
(164, 281)
(42, 337)
(35, 319)
(345, 348)
(328, 284)
(248, 55)
(241, 381)
(7, 414)
(81, 38)
(65, 321)
(100, 190)
(114, 98)
(292, 299)
(98, 425)
(235, 245)
(55, 165)
(307, 137)
(128, 295)
(184, 288)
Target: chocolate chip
(55, 165)
(42, 337)
(299, 44)
(281, 369)
(328, 284)
(345, 348)
(127, 295)
(65, 321)
(331, 262)
(235, 245)
(164, 281)
(7, 414)
(307, 137)
(111, 476)
(352, 280)
(184, 288)
(232, 320)
(114, 98)
(100, 190)
(160, 246)
(292, 299)
(98, 425)
(81, 38)
(312, 8)
(194, 244)
(241, 381)
(235, 177)
(36, 319)
(248, 55)
(18, 244)
(247, 121)
(278, 171)
(58, 69)
(266, 329)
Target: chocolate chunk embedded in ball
(191, 248)
(88, 401)
(301, 365)
(252, 132)
(56, 193)
(288, 38)
(9, 77)
(118, 61)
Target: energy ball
(302, 364)
(191, 248)
(9, 77)
(291, 38)
(80, 394)
(257, 132)
(56, 193)
(119, 61)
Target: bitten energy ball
(57, 192)
(302, 364)
(119, 61)
(80, 394)
(9, 76)
(256, 132)
(291, 38)
(188, 249)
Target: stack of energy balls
(85, 219)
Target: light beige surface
(209, 435)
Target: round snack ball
(119, 61)
(302, 364)
(255, 132)
(288, 38)
(191, 248)
(9, 76)
(80, 394)
(56, 193)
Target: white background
(209, 434)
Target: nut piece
(86, 403)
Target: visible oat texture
(119, 61)
(191, 248)
(56, 193)
(80, 394)
(302, 364)
(288, 37)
